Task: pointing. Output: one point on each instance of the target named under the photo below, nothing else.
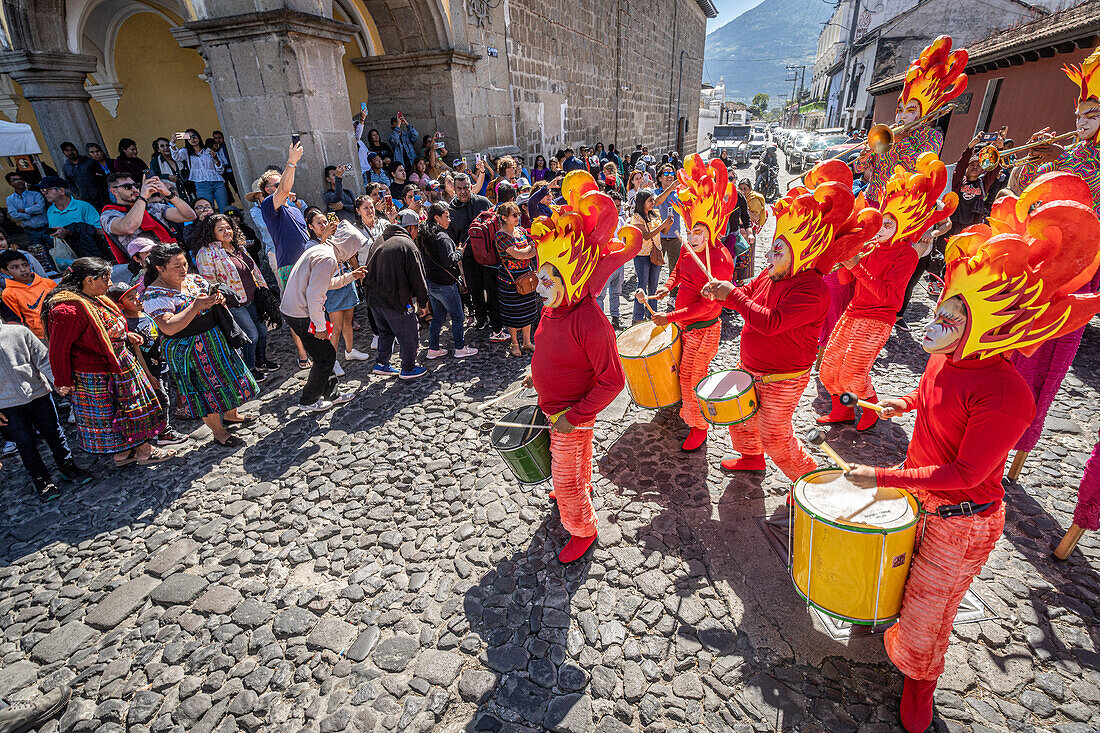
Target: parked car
(808, 155)
(796, 142)
(756, 144)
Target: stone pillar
(53, 83)
(272, 74)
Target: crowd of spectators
(145, 299)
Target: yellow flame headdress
(936, 76)
(911, 198)
(1086, 77)
(1018, 273)
(706, 195)
(578, 238)
(822, 222)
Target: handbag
(526, 283)
(656, 254)
(267, 303)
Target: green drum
(526, 451)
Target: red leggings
(852, 350)
(949, 555)
(571, 474)
(700, 346)
(770, 431)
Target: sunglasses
(126, 186)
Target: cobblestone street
(378, 568)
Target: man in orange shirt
(25, 291)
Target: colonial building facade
(491, 75)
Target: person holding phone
(135, 215)
(338, 200)
(204, 166)
(402, 141)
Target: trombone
(989, 157)
(880, 138)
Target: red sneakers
(746, 462)
(838, 414)
(867, 420)
(575, 548)
(916, 704)
(695, 440)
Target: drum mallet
(816, 437)
(504, 396)
(848, 400)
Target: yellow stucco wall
(161, 88)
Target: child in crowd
(6, 244)
(28, 410)
(150, 355)
(25, 291)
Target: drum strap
(782, 377)
(966, 509)
(700, 324)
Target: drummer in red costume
(909, 208)
(575, 368)
(783, 308)
(706, 199)
(1005, 290)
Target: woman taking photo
(91, 356)
(211, 378)
(648, 270)
(339, 303)
(204, 166)
(517, 258)
(371, 225)
(224, 260)
(436, 166)
(376, 145)
(413, 198)
(441, 269)
(167, 169)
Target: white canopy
(17, 138)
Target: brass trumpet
(989, 157)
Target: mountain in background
(752, 50)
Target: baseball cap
(138, 245)
(639, 166)
(408, 218)
(52, 182)
(433, 185)
(457, 162)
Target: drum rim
(534, 433)
(752, 385)
(675, 338)
(841, 617)
(854, 528)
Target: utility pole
(798, 76)
(848, 57)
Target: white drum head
(723, 384)
(837, 499)
(645, 338)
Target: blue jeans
(26, 423)
(614, 289)
(256, 330)
(214, 191)
(648, 276)
(445, 301)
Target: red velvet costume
(1016, 278)
(910, 200)
(816, 226)
(575, 368)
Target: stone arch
(406, 26)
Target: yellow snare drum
(727, 397)
(651, 361)
(851, 547)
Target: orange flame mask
(578, 238)
(1018, 273)
(822, 222)
(911, 198)
(936, 76)
(706, 195)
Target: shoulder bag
(656, 255)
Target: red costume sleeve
(676, 276)
(845, 276)
(691, 305)
(886, 284)
(798, 308)
(66, 325)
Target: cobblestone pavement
(375, 568)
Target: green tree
(761, 101)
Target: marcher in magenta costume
(575, 368)
(909, 208)
(932, 80)
(1047, 367)
(706, 199)
(816, 226)
(1009, 286)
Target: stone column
(272, 74)
(53, 83)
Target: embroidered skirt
(115, 412)
(211, 376)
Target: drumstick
(815, 437)
(707, 253)
(538, 427)
(848, 399)
(504, 396)
(704, 268)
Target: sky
(728, 10)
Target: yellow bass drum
(651, 361)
